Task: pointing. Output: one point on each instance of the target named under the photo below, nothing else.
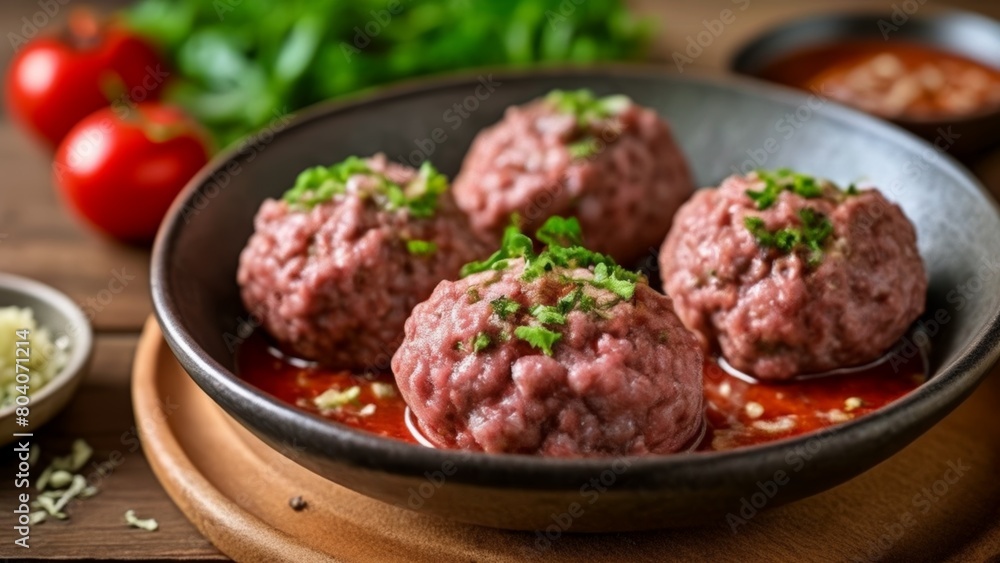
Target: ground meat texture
(624, 379)
(335, 283)
(624, 195)
(773, 314)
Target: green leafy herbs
(547, 314)
(320, 184)
(239, 65)
(563, 239)
(619, 281)
(588, 110)
(811, 235)
(539, 337)
(481, 342)
(781, 180)
(576, 299)
(421, 247)
(420, 196)
(560, 231)
(584, 148)
(563, 251)
(513, 245)
(505, 307)
(585, 107)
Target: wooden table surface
(39, 239)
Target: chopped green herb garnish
(852, 190)
(421, 247)
(563, 251)
(481, 342)
(547, 314)
(570, 300)
(781, 180)
(563, 239)
(559, 231)
(811, 235)
(816, 229)
(758, 229)
(615, 279)
(504, 307)
(806, 186)
(320, 184)
(422, 194)
(514, 245)
(585, 107)
(539, 337)
(584, 148)
(473, 295)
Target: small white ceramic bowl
(63, 318)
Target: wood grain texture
(936, 500)
(102, 414)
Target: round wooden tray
(236, 491)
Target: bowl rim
(82, 344)
(930, 402)
(948, 16)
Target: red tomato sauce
(892, 79)
(739, 413)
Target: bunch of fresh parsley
(241, 63)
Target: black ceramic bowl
(970, 35)
(723, 124)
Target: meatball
(557, 365)
(787, 275)
(609, 162)
(333, 269)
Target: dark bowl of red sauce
(937, 75)
(808, 436)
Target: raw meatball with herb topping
(607, 161)
(561, 353)
(788, 275)
(334, 267)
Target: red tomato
(120, 168)
(54, 82)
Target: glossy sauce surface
(892, 79)
(739, 413)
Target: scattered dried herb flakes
(58, 484)
(148, 524)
